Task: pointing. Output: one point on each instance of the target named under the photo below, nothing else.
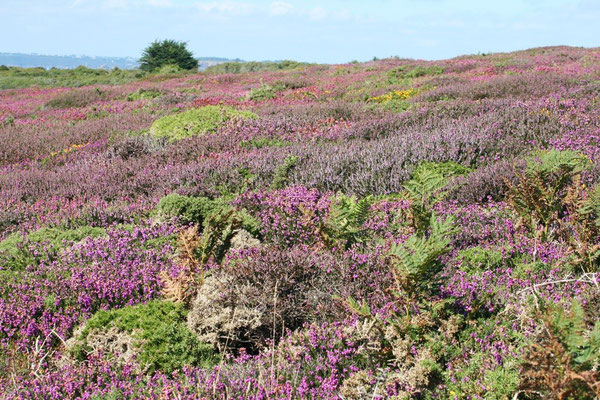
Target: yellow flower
(395, 95)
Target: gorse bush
(142, 94)
(199, 210)
(259, 294)
(408, 71)
(196, 122)
(189, 209)
(259, 143)
(160, 338)
(264, 92)
(476, 260)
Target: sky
(333, 31)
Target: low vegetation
(395, 229)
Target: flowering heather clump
(288, 216)
(393, 229)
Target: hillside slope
(392, 229)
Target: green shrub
(236, 67)
(198, 121)
(447, 169)
(142, 94)
(282, 172)
(188, 209)
(476, 259)
(260, 142)
(477, 377)
(407, 71)
(264, 92)
(14, 77)
(197, 210)
(169, 69)
(158, 328)
(397, 106)
(15, 250)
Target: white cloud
(228, 7)
(317, 13)
(116, 3)
(160, 3)
(280, 8)
(91, 4)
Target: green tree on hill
(167, 52)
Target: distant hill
(72, 61)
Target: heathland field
(395, 229)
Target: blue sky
(305, 30)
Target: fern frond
(415, 260)
(347, 217)
(361, 210)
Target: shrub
(18, 252)
(237, 67)
(142, 94)
(76, 98)
(160, 338)
(195, 122)
(135, 146)
(169, 69)
(486, 183)
(282, 172)
(197, 210)
(188, 209)
(408, 71)
(288, 216)
(264, 92)
(259, 294)
(260, 142)
(477, 259)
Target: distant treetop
(167, 52)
